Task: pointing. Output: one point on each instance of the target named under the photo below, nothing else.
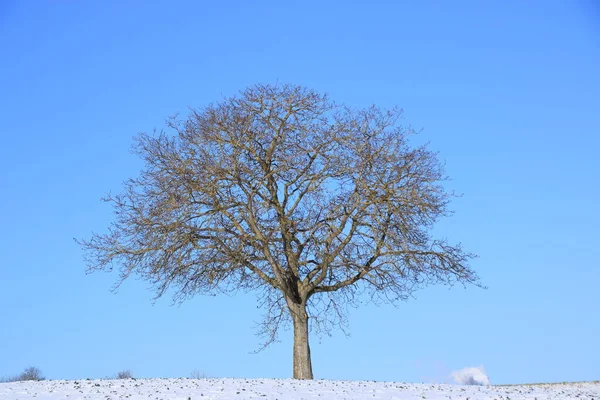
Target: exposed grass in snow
(283, 389)
(549, 383)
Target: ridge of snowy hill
(284, 389)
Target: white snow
(283, 389)
(471, 376)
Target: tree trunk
(302, 362)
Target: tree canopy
(280, 189)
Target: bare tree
(196, 374)
(125, 374)
(29, 374)
(280, 189)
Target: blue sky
(507, 92)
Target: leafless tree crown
(283, 190)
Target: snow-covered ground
(286, 389)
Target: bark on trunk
(302, 361)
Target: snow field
(284, 389)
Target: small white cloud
(471, 376)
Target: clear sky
(508, 92)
